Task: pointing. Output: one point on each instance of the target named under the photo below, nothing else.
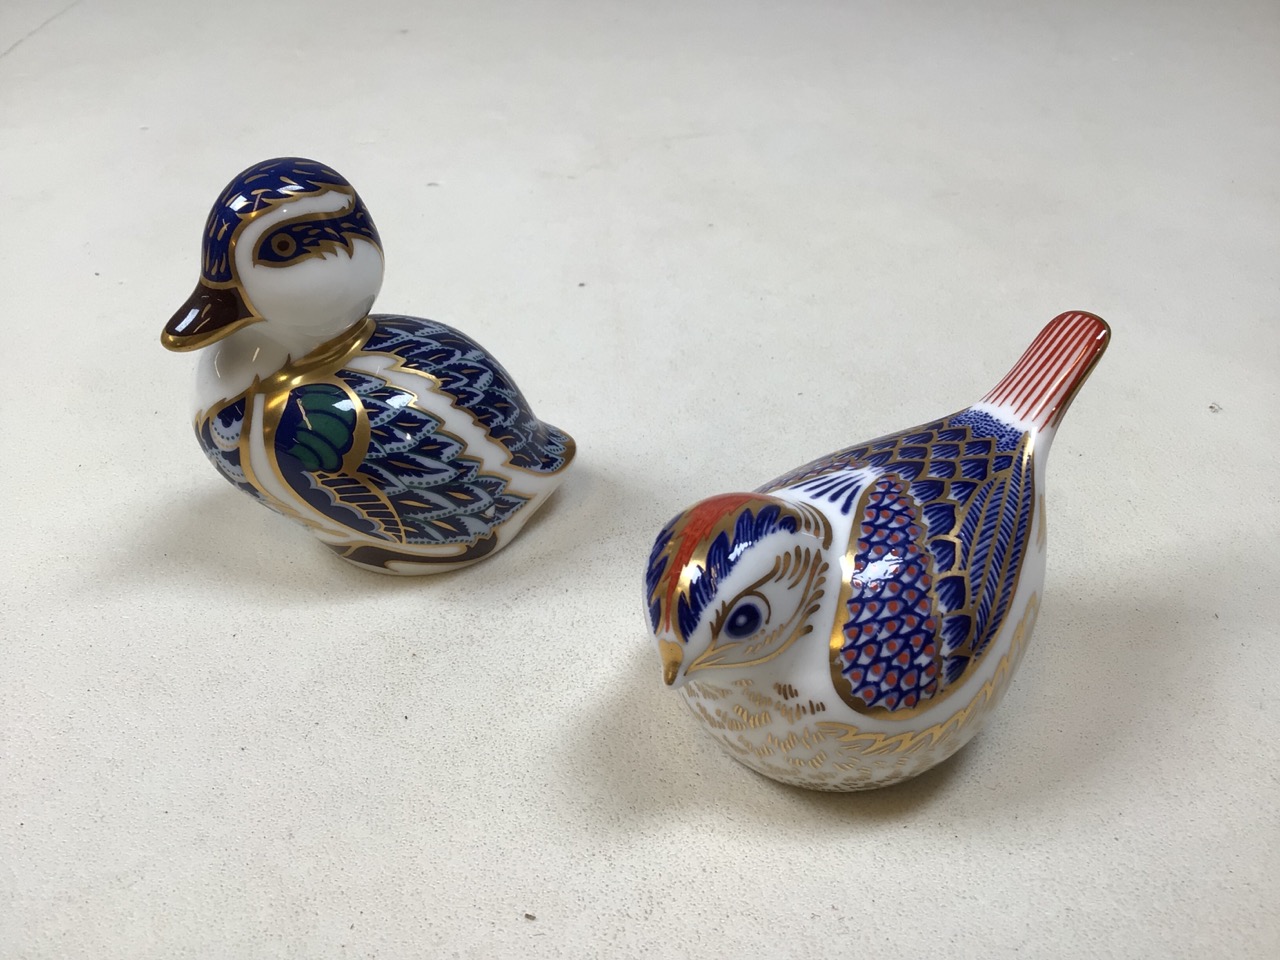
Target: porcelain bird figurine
(401, 443)
(850, 624)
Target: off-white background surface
(711, 241)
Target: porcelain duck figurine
(850, 624)
(401, 443)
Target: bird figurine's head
(289, 243)
(734, 581)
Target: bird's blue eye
(744, 621)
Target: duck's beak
(209, 314)
(672, 655)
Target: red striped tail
(1043, 383)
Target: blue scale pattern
(890, 655)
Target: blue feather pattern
(967, 479)
(476, 382)
(414, 485)
(653, 574)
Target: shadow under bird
(851, 624)
(401, 443)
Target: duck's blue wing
(476, 382)
(409, 483)
(942, 514)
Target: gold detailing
(283, 246)
(672, 656)
(844, 689)
(830, 755)
(245, 449)
(318, 366)
(739, 717)
(856, 742)
(242, 446)
(344, 484)
(1042, 529)
(815, 521)
(321, 362)
(181, 344)
(262, 203)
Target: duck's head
(289, 243)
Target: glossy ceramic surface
(401, 443)
(850, 624)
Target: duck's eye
(743, 621)
(283, 245)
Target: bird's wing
(978, 522)
(890, 657)
(949, 503)
(474, 381)
(359, 451)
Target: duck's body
(402, 445)
(849, 624)
(399, 442)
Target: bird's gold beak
(209, 314)
(672, 656)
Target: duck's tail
(1040, 387)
